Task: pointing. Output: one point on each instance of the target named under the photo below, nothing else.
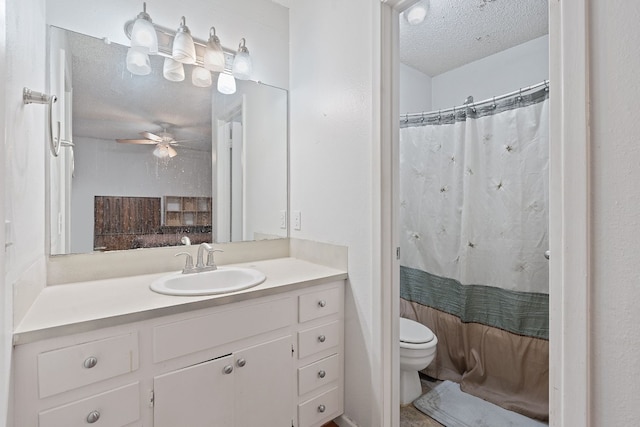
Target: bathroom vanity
(114, 353)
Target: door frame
(569, 218)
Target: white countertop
(84, 306)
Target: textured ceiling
(457, 32)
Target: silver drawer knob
(227, 369)
(322, 303)
(93, 417)
(322, 374)
(241, 363)
(322, 338)
(90, 362)
(322, 408)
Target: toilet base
(410, 387)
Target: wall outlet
(297, 220)
(283, 219)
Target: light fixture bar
(165, 40)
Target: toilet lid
(413, 332)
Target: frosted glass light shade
(183, 48)
(163, 151)
(417, 13)
(173, 70)
(214, 55)
(242, 66)
(138, 61)
(201, 77)
(226, 84)
(144, 35)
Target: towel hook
(406, 118)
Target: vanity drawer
(319, 304)
(317, 339)
(114, 408)
(79, 365)
(318, 374)
(320, 409)
(201, 333)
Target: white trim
(569, 215)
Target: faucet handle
(210, 261)
(188, 265)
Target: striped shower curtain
(474, 230)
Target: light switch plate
(297, 220)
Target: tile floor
(411, 417)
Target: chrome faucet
(200, 265)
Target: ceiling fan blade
(136, 141)
(151, 136)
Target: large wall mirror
(155, 162)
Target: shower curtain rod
(472, 105)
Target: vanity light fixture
(183, 48)
(143, 34)
(417, 13)
(201, 77)
(226, 84)
(242, 66)
(138, 61)
(214, 55)
(173, 70)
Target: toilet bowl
(417, 350)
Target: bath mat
(450, 406)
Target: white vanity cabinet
(270, 361)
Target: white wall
(23, 172)
(415, 90)
(334, 61)
(615, 162)
(6, 294)
(138, 174)
(262, 23)
(501, 73)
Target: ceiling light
(201, 77)
(138, 61)
(163, 151)
(214, 55)
(226, 84)
(143, 33)
(242, 66)
(417, 13)
(173, 70)
(183, 48)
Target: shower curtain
(474, 231)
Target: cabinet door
(198, 396)
(264, 384)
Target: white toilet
(417, 350)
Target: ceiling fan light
(163, 151)
(138, 61)
(143, 34)
(214, 55)
(172, 152)
(201, 77)
(183, 48)
(242, 65)
(226, 84)
(173, 70)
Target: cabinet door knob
(227, 369)
(93, 417)
(322, 408)
(322, 303)
(322, 338)
(322, 374)
(90, 362)
(241, 363)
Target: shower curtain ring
(422, 119)
(546, 85)
(406, 118)
(520, 95)
(439, 116)
(494, 106)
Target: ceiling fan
(163, 143)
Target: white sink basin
(220, 281)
